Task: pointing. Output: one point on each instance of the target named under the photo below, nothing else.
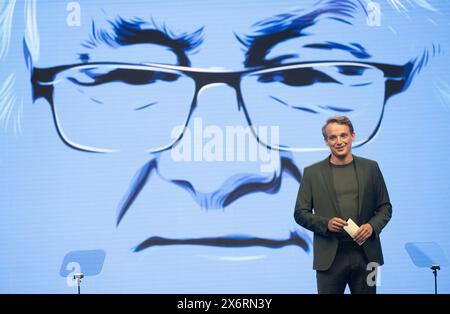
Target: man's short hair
(342, 120)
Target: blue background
(54, 200)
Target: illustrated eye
(297, 77)
(351, 70)
(97, 76)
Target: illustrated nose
(216, 145)
(217, 105)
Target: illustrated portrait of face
(171, 135)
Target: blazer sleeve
(383, 209)
(304, 205)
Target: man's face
(339, 140)
(173, 112)
(136, 72)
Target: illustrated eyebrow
(123, 32)
(355, 49)
(274, 30)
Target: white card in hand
(351, 228)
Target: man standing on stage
(339, 188)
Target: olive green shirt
(345, 184)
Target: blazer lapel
(360, 176)
(328, 179)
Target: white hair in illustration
(11, 101)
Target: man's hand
(336, 224)
(364, 232)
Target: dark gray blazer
(317, 192)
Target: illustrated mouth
(229, 241)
